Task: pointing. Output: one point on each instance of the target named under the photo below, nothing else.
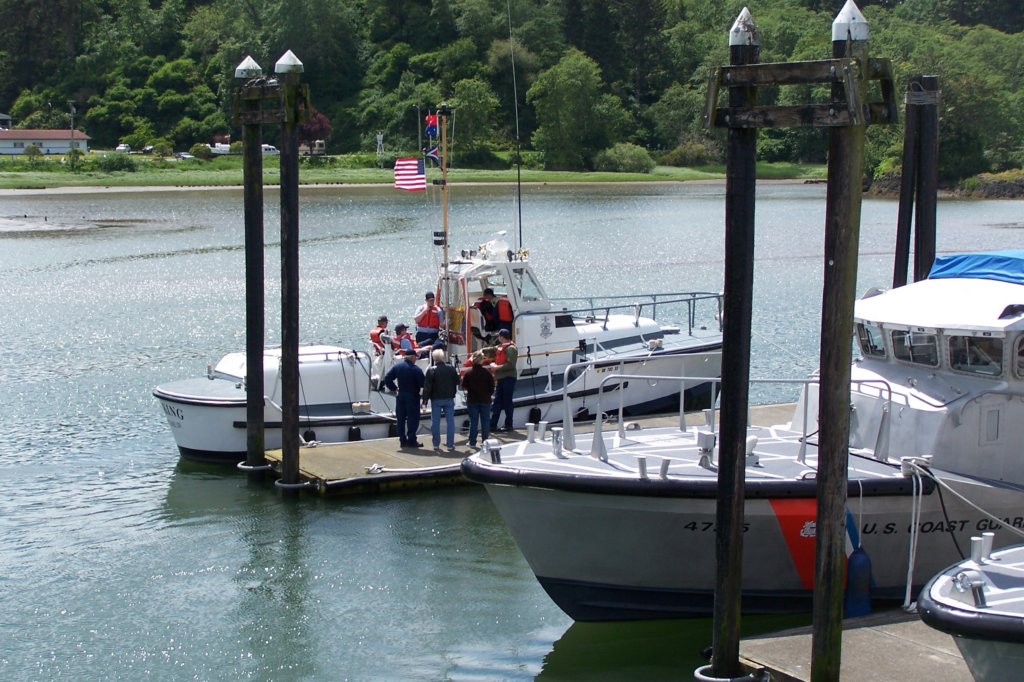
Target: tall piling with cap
(845, 115)
(842, 236)
(295, 99)
(740, 186)
(257, 101)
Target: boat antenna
(515, 107)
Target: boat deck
(887, 645)
(381, 466)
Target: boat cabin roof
(974, 292)
(974, 305)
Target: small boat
(621, 524)
(980, 601)
(343, 398)
(566, 347)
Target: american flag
(410, 174)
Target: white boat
(622, 525)
(342, 397)
(980, 601)
(565, 347)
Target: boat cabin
(941, 371)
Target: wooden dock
(888, 645)
(381, 465)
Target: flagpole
(443, 110)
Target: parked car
(123, 148)
(183, 155)
(270, 150)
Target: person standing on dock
(505, 358)
(407, 379)
(439, 386)
(479, 385)
(429, 318)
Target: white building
(47, 141)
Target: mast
(443, 111)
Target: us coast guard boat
(570, 344)
(621, 524)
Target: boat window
(526, 285)
(872, 343)
(976, 354)
(917, 347)
(1020, 357)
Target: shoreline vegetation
(227, 172)
(156, 173)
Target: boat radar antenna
(515, 106)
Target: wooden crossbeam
(844, 112)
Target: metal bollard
(556, 441)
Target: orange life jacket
(375, 333)
(500, 357)
(504, 310)
(396, 342)
(429, 318)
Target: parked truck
(317, 148)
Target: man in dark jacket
(407, 379)
(439, 388)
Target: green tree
(576, 119)
(475, 105)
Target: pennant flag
(410, 175)
(431, 120)
(432, 154)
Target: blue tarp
(1004, 266)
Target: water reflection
(644, 650)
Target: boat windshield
(526, 285)
(919, 348)
(976, 355)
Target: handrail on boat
(568, 433)
(593, 307)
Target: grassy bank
(227, 171)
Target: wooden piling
(288, 71)
(919, 181)
(256, 102)
(927, 101)
(741, 176)
(908, 185)
(255, 315)
(842, 232)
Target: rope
(915, 516)
(798, 359)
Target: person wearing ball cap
(505, 358)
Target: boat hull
(656, 557)
(208, 416)
(979, 602)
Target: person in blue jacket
(407, 379)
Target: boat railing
(594, 308)
(880, 451)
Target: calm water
(117, 562)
